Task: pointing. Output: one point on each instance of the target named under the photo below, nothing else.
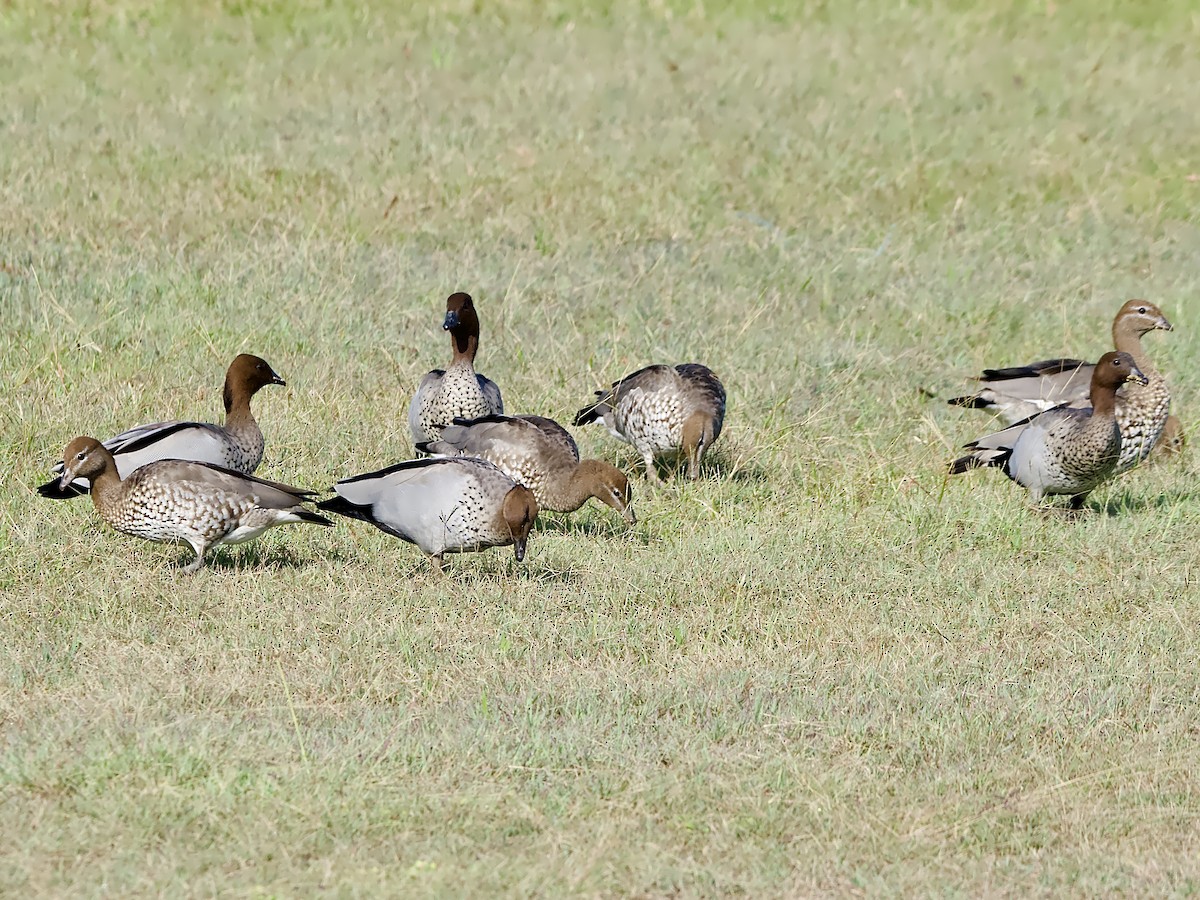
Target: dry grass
(822, 669)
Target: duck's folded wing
(557, 435)
(491, 393)
(1019, 392)
(425, 390)
(132, 449)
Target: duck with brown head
(663, 409)
(1066, 450)
(199, 504)
(236, 445)
(456, 391)
(441, 505)
(1142, 410)
(540, 454)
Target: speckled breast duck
(663, 409)
(1142, 410)
(199, 504)
(441, 505)
(1066, 450)
(540, 454)
(458, 390)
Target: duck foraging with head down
(663, 409)
(540, 454)
(441, 505)
(1066, 450)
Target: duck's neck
(106, 490)
(1104, 400)
(575, 491)
(1128, 340)
(464, 346)
(237, 408)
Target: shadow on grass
(610, 527)
(531, 570)
(732, 470)
(252, 558)
(1125, 503)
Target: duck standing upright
(1142, 410)
(660, 409)
(457, 390)
(199, 504)
(236, 445)
(540, 454)
(1065, 450)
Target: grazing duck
(660, 409)
(200, 504)
(1066, 450)
(236, 445)
(441, 505)
(540, 454)
(456, 391)
(1142, 410)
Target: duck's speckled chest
(457, 395)
(175, 511)
(469, 523)
(244, 448)
(1141, 412)
(1077, 456)
(651, 421)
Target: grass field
(822, 669)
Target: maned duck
(1142, 411)
(236, 445)
(540, 454)
(660, 409)
(197, 503)
(445, 394)
(1065, 450)
(441, 505)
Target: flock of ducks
(482, 476)
(480, 481)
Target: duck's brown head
(246, 375)
(1114, 369)
(519, 511)
(609, 485)
(84, 457)
(1138, 317)
(461, 321)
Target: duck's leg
(438, 568)
(198, 563)
(651, 469)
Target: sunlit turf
(824, 668)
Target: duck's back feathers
(441, 505)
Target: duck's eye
(1142, 310)
(81, 455)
